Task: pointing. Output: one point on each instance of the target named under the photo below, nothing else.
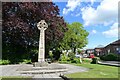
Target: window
(117, 49)
(108, 50)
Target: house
(83, 53)
(99, 50)
(90, 51)
(113, 47)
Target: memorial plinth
(42, 26)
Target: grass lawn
(15, 78)
(96, 71)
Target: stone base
(40, 64)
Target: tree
(75, 37)
(19, 29)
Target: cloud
(112, 32)
(92, 1)
(94, 32)
(71, 6)
(106, 13)
(77, 15)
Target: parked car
(85, 55)
(78, 55)
(91, 56)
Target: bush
(110, 57)
(69, 59)
(51, 55)
(98, 58)
(118, 57)
(71, 55)
(4, 62)
(94, 61)
(63, 57)
(87, 60)
(56, 54)
(75, 60)
(64, 62)
(26, 61)
(66, 59)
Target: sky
(99, 18)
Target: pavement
(13, 70)
(74, 69)
(111, 63)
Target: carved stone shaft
(42, 26)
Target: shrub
(4, 62)
(69, 59)
(98, 58)
(64, 62)
(71, 55)
(102, 57)
(15, 60)
(94, 61)
(51, 55)
(87, 60)
(110, 57)
(75, 60)
(118, 57)
(63, 57)
(26, 61)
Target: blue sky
(98, 18)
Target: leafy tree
(75, 37)
(19, 30)
(79, 51)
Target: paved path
(74, 69)
(13, 70)
(111, 63)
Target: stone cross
(42, 26)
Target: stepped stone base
(40, 64)
(43, 68)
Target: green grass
(15, 78)
(96, 71)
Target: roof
(115, 42)
(99, 46)
(89, 49)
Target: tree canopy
(75, 37)
(19, 20)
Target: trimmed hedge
(110, 57)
